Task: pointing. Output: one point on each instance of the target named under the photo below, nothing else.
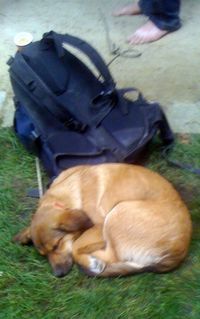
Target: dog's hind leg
(130, 246)
(90, 241)
(96, 259)
(93, 256)
(104, 263)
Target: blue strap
(165, 152)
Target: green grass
(29, 290)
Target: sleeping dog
(110, 219)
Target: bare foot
(147, 33)
(128, 10)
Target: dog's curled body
(111, 219)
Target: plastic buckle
(10, 60)
(75, 125)
(110, 98)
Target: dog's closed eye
(57, 243)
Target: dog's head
(53, 231)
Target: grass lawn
(29, 290)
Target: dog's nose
(61, 270)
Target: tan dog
(110, 219)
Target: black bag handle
(83, 46)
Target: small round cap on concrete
(23, 38)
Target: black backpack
(68, 116)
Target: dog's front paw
(96, 266)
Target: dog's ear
(75, 220)
(24, 237)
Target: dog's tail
(124, 269)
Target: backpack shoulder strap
(83, 46)
(41, 93)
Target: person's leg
(163, 18)
(149, 32)
(130, 9)
(163, 13)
